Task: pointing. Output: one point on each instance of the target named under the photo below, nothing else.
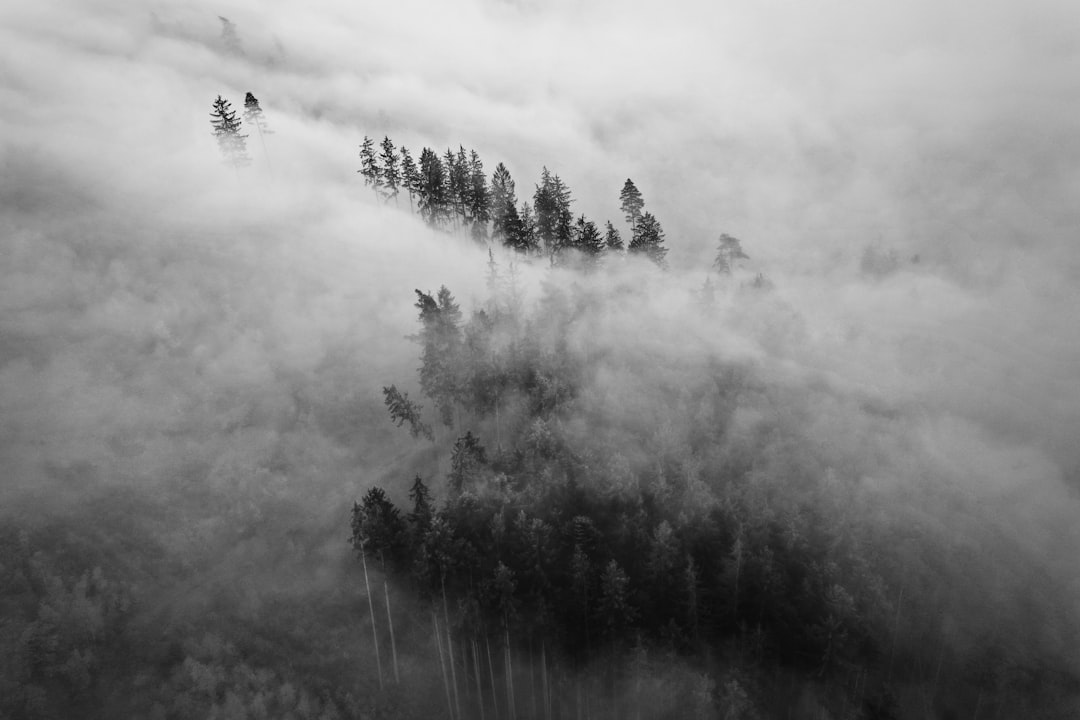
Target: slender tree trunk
(532, 680)
(393, 640)
(442, 665)
(371, 609)
(476, 672)
(544, 681)
(491, 671)
(510, 701)
(450, 651)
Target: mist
(192, 357)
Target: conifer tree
(528, 241)
(453, 187)
(410, 176)
(631, 203)
(466, 460)
(479, 198)
(513, 229)
(441, 339)
(402, 410)
(649, 240)
(391, 176)
(253, 116)
(226, 126)
(369, 166)
(503, 201)
(612, 240)
(728, 252)
(432, 188)
(459, 178)
(588, 241)
(613, 607)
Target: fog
(216, 341)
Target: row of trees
(451, 191)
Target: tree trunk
(442, 665)
(450, 653)
(491, 670)
(476, 672)
(371, 609)
(393, 641)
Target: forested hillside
(521, 360)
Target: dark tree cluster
(451, 192)
(551, 533)
(227, 128)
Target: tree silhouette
(253, 116)
(649, 239)
(728, 252)
(226, 126)
(631, 203)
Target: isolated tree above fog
(727, 253)
(226, 125)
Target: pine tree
(649, 240)
(479, 198)
(528, 241)
(513, 230)
(402, 410)
(226, 126)
(369, 166)
(588, 241)
(432, 188)
(466, 460)
(423, 509)
(728, 252)
(631, 203)
(612, 240)
(441, 339)
(503, 202)
(410, 176)
(391, 177)
(613, 607)
(253, 116)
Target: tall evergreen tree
(503, 201)
(432, 188)
(226, 127)
(528, 242)
(391, 176)
(612, 240)
(423, 508)
(479, 198)
(440, 337)
(513, 230)
(554, 220)
(369, 166)
(410, 176)
(649, 240)
(631, 203)
(588, 242)
(253, 116)
(728, 252)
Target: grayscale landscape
(539, 360)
